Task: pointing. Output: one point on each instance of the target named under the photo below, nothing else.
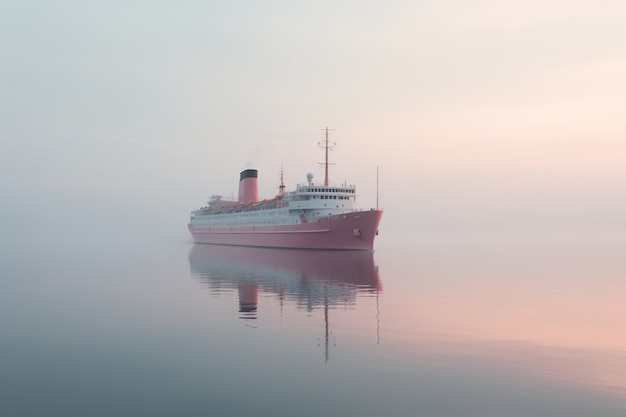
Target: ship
(313, 216)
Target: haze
(120, 117)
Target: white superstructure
(308, 203)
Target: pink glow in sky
(510, 114)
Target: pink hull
(353, 231)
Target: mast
(281, 187)
(376, 187)
(326, 161)
(327, 147)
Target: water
(439, 325)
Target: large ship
(313, 216)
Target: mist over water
(483, 297)
(497, 287)
(467, 324)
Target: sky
(481, 115)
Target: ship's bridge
(346, 191)
(345, 195)
(323, 197)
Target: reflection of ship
(311, 279)
(313, 216)
(306, 276)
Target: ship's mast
(327, 147)
(376, 187)
(281, 187)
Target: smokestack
(248, 186)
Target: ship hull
(351, 231)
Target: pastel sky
(482, 115)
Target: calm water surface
(446, 325)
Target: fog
(118, 118)
(491, 133)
